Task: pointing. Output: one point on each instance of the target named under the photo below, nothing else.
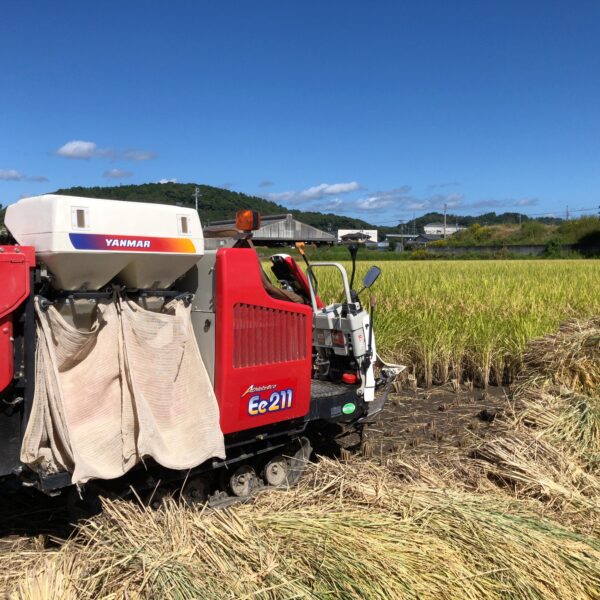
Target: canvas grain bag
(132, 386)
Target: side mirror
(371, 277)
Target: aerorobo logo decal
(258, 388)
(130, 243)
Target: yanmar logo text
(253, 389)
(130, 243)
(116, 243)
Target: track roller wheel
(195, 490)
(243, 481)
(276, 471)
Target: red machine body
(15, 263)
(278, 392)
(263, 348)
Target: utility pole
(445, 210)
(519, 219)
(197, 194)
(567, 212)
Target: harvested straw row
(349, 531)
(568, 358)
(531, 467)
(568, 419)
(558, 394)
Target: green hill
(585, 230)
(487, 219)
(213, 204)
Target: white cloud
(84, 150)
(78, 149)
(325, 189)
(167, 181)
(526, 202)
(281, 196)
(117, 174)
(139, 155)
(334, 204)
(315, 192)
(451, 200)
(373, 203)
(14, 175)
(11, 175)
(400, 199)
(398, 196)
(499, 203)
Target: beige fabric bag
(133, 386)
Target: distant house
(357, 235)
(438, 229)
(361, 238)
(424, 240)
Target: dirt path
(436, 423)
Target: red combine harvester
(139, 352)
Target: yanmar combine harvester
(136, 354)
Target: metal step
(324, 389)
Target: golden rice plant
(472, 320)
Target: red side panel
(15, 262)
(263, 347)
(6, 351)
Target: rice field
(513, 513)
(471, 320)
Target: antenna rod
(197, 194)
(445, 210)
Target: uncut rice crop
(471, 320)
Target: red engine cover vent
(265, 336)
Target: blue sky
(373, 109)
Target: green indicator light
(349, 408)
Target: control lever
(300, 248)
(353, 249)
(369, 354)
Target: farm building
(363, 235)
(438, 229)
(280, 229)
(424, 239)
